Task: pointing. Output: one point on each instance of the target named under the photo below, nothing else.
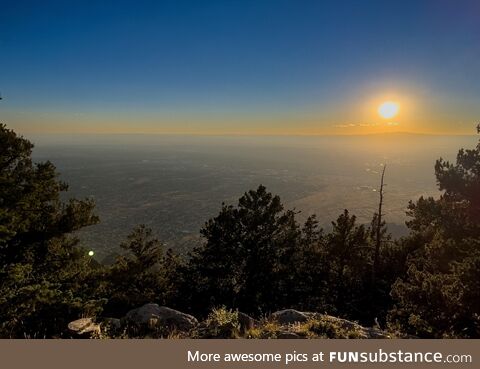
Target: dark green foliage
(45, 279)
(350, 257)
(240, 264)
(256, 258)
(143, 274)
(439, 296)
(307, 271)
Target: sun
(388, 109)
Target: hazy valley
(175, 183)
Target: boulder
(289, 316)
(84, 328)
(142, 316)
(151, 315)
(363, 332)
(111, 325)
(246, 322)
(343, 323)
(377, 333)
(288, 336)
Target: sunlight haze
(240, 68)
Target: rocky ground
(154, 321)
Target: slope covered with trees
(255, 257)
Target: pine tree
(46, 279)
(440, 295)
(242, 261)
(143, 274)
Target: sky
(279, 67)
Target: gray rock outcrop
(289, 316)
(150, 315)
(246, 322)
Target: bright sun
(388, 109)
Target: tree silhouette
(44, 274)
(439, 296)
(240, 264)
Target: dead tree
(378, 229)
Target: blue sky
(278, 66)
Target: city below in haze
(174, 184)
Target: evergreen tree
(350, 257)
(143, 274)
(241, 264)
(309, 270)
(440, 295)
(46, 280)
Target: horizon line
(247, 134)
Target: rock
(343, 323)
(289, 316)
(362, 331)
(151, 315)
(84, 327)
(288, 336)
(112, 324)
(246, 322)
(377, 333)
